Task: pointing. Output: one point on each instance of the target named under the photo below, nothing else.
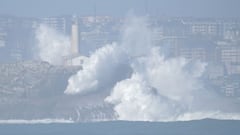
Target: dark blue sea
(199, 127)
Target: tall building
(3, 35)
(57, 23)
(74, 37)
(229, 54)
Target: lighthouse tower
(74, 37)
(75, 59)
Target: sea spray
(51, 45)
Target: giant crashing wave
(139, 83)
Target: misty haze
(119, 67)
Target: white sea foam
(36, 121)
(156, 88)
(52, 46)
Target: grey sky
(198, 8)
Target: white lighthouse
(75, 59)
(75, 37)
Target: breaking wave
(144, 85)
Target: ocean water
(199, 127)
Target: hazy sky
(198, 8)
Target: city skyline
(174, 8)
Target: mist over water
(142, 84)
(51, 45)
